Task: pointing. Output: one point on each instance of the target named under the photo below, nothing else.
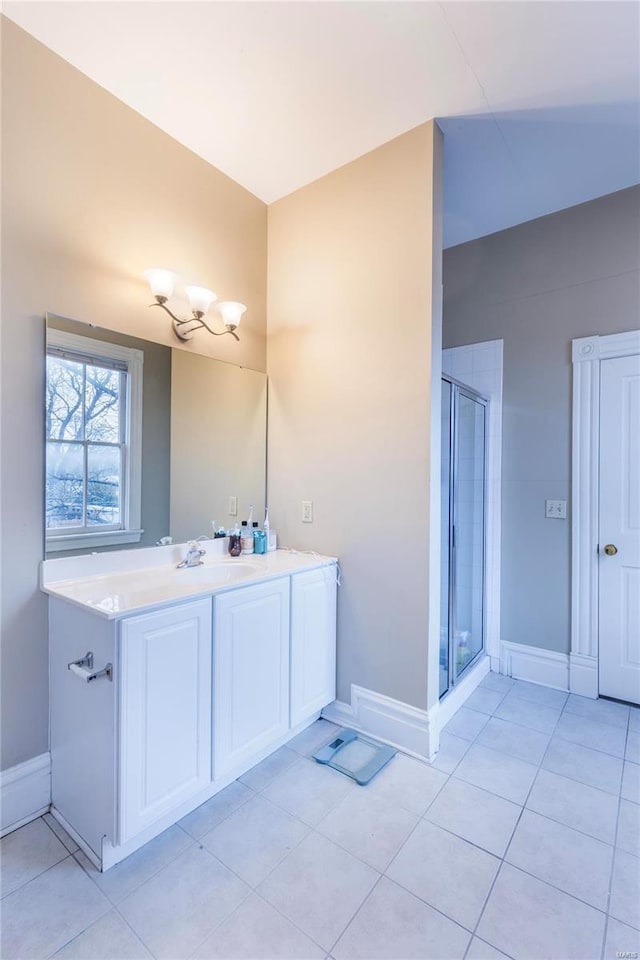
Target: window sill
(88, 541)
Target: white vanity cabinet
(313, 642)
(251, 683)
(165, 712)
(200, 688)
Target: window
(93, 409)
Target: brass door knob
(611, 549)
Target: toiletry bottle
(235, 546)
(265, 526)
(246, 535)
(258, 539)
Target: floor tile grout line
(254, 887)
(314, 830)
(222, 819)
(68, 854)
(484, 907)
(606, 723)
(540, 764)
(71, 840)
(289, 920)
(517, 723)
(613, 846)
(577, 743)
(540, 768)
(215, 927)
(139, 885)
(613, 859)
(354, 915)
(112, 908)
(129, 927)
(110, 905)
(569, 826)
(506, 850)
(515, 827)
(37, 876)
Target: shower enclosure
(463, 489)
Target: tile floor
(520, 841)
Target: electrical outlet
(556, 509)
(233, 506)
(307, 511)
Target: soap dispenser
(235, 546)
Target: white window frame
(132, 477)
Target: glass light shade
(231, 311)
(160, 281)
(200, 299)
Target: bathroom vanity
(167, 684)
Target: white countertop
(114, 585)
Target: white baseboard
(399, 724)
(25, 792)
(583, 675)
(547, 667)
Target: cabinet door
(313, 642)
(165, 732)
(251, 706)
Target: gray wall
(156, 427)
(538, 286)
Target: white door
(313, 642)
(619, 534)
(251, 699)
(165, 734)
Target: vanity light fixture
(200, 299)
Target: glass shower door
(445, 526)
(463, 530)
(468, 528)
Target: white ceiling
(540, 100)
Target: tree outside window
(93, 423)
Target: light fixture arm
(196, 319)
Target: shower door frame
(458, 387)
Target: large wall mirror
(144, 441)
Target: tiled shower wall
(479, 365)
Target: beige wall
(538, 286)
(91, 195)
(218, 443)
(349, 353)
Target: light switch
(556, 509)
(233, 506)
(307, 511)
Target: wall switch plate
(556, 509)
(233, 506)
(307, 511)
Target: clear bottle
(246, 536)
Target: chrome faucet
(193, 557)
